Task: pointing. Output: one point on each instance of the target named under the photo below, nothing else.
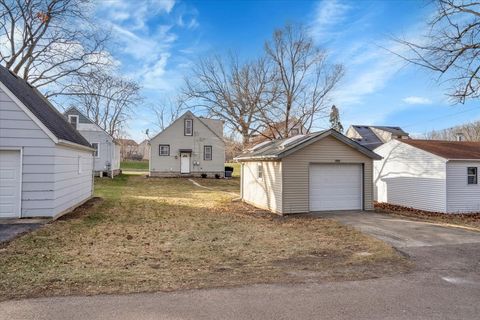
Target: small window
(73, 119)
(164, 150)
(472, 173)
(294, 132)
(95, 146)
(207, 153)
(259, 171)
(188, 127)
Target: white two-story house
(190, 146)
(107, 149)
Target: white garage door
(335, 187)
(10, 183)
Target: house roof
(189, 113)
(452, 150)
(370, 139)
(41, 108)
(277, 149)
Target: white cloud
(416, 100)
(328, 15)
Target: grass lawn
(167, 234)
(132, 165)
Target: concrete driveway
(404, 232)
(10, 229)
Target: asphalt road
(445, 284)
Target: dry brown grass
(167, 234)
(468, 220)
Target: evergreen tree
(335, 119)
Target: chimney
(459, 136)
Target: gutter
(257, 158)
(74, 145)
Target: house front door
(185, 163)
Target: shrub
(204, 175)
(217, 176)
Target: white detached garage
(45, 164)
(323, 171)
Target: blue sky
(157, 41)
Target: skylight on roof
(291, 140)
(260, 145)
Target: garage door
(335, 187)
(10, 184)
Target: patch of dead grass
(167, 234)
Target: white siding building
(45, 164)
(437, 176)
(189, 146)
(107, 149)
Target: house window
(472, 173)
(259, 171)
(294, 132)
(188, 127)
(164, 150)
(73, 119)
(207, 153)
(96, 146)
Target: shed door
(335, 187)
(10, 180)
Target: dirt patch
(82, 210)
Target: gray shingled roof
(41, 108)
(370, 139)
(277, 149)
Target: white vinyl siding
(174, 137)
(50, 179)
(265, 192)
(108, 151)
(461, 196)
(410, 177)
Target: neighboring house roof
(368, 137)
(277, 149)
(189, 113)
(127, 142)
(41, 108)
(84, 119)
(452, 150)
(276, 128)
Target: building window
(294, 132)
(164, 150)
(207, 153)
(259, 171)
(96, 146)
(472, 173)
(73, 119)
(188, 127)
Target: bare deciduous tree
(49, 41)
(451, 47)
(233, 92)
(107, 100)
(304, 78)
(168, 111)
(469, 131)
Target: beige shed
(322, 171)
